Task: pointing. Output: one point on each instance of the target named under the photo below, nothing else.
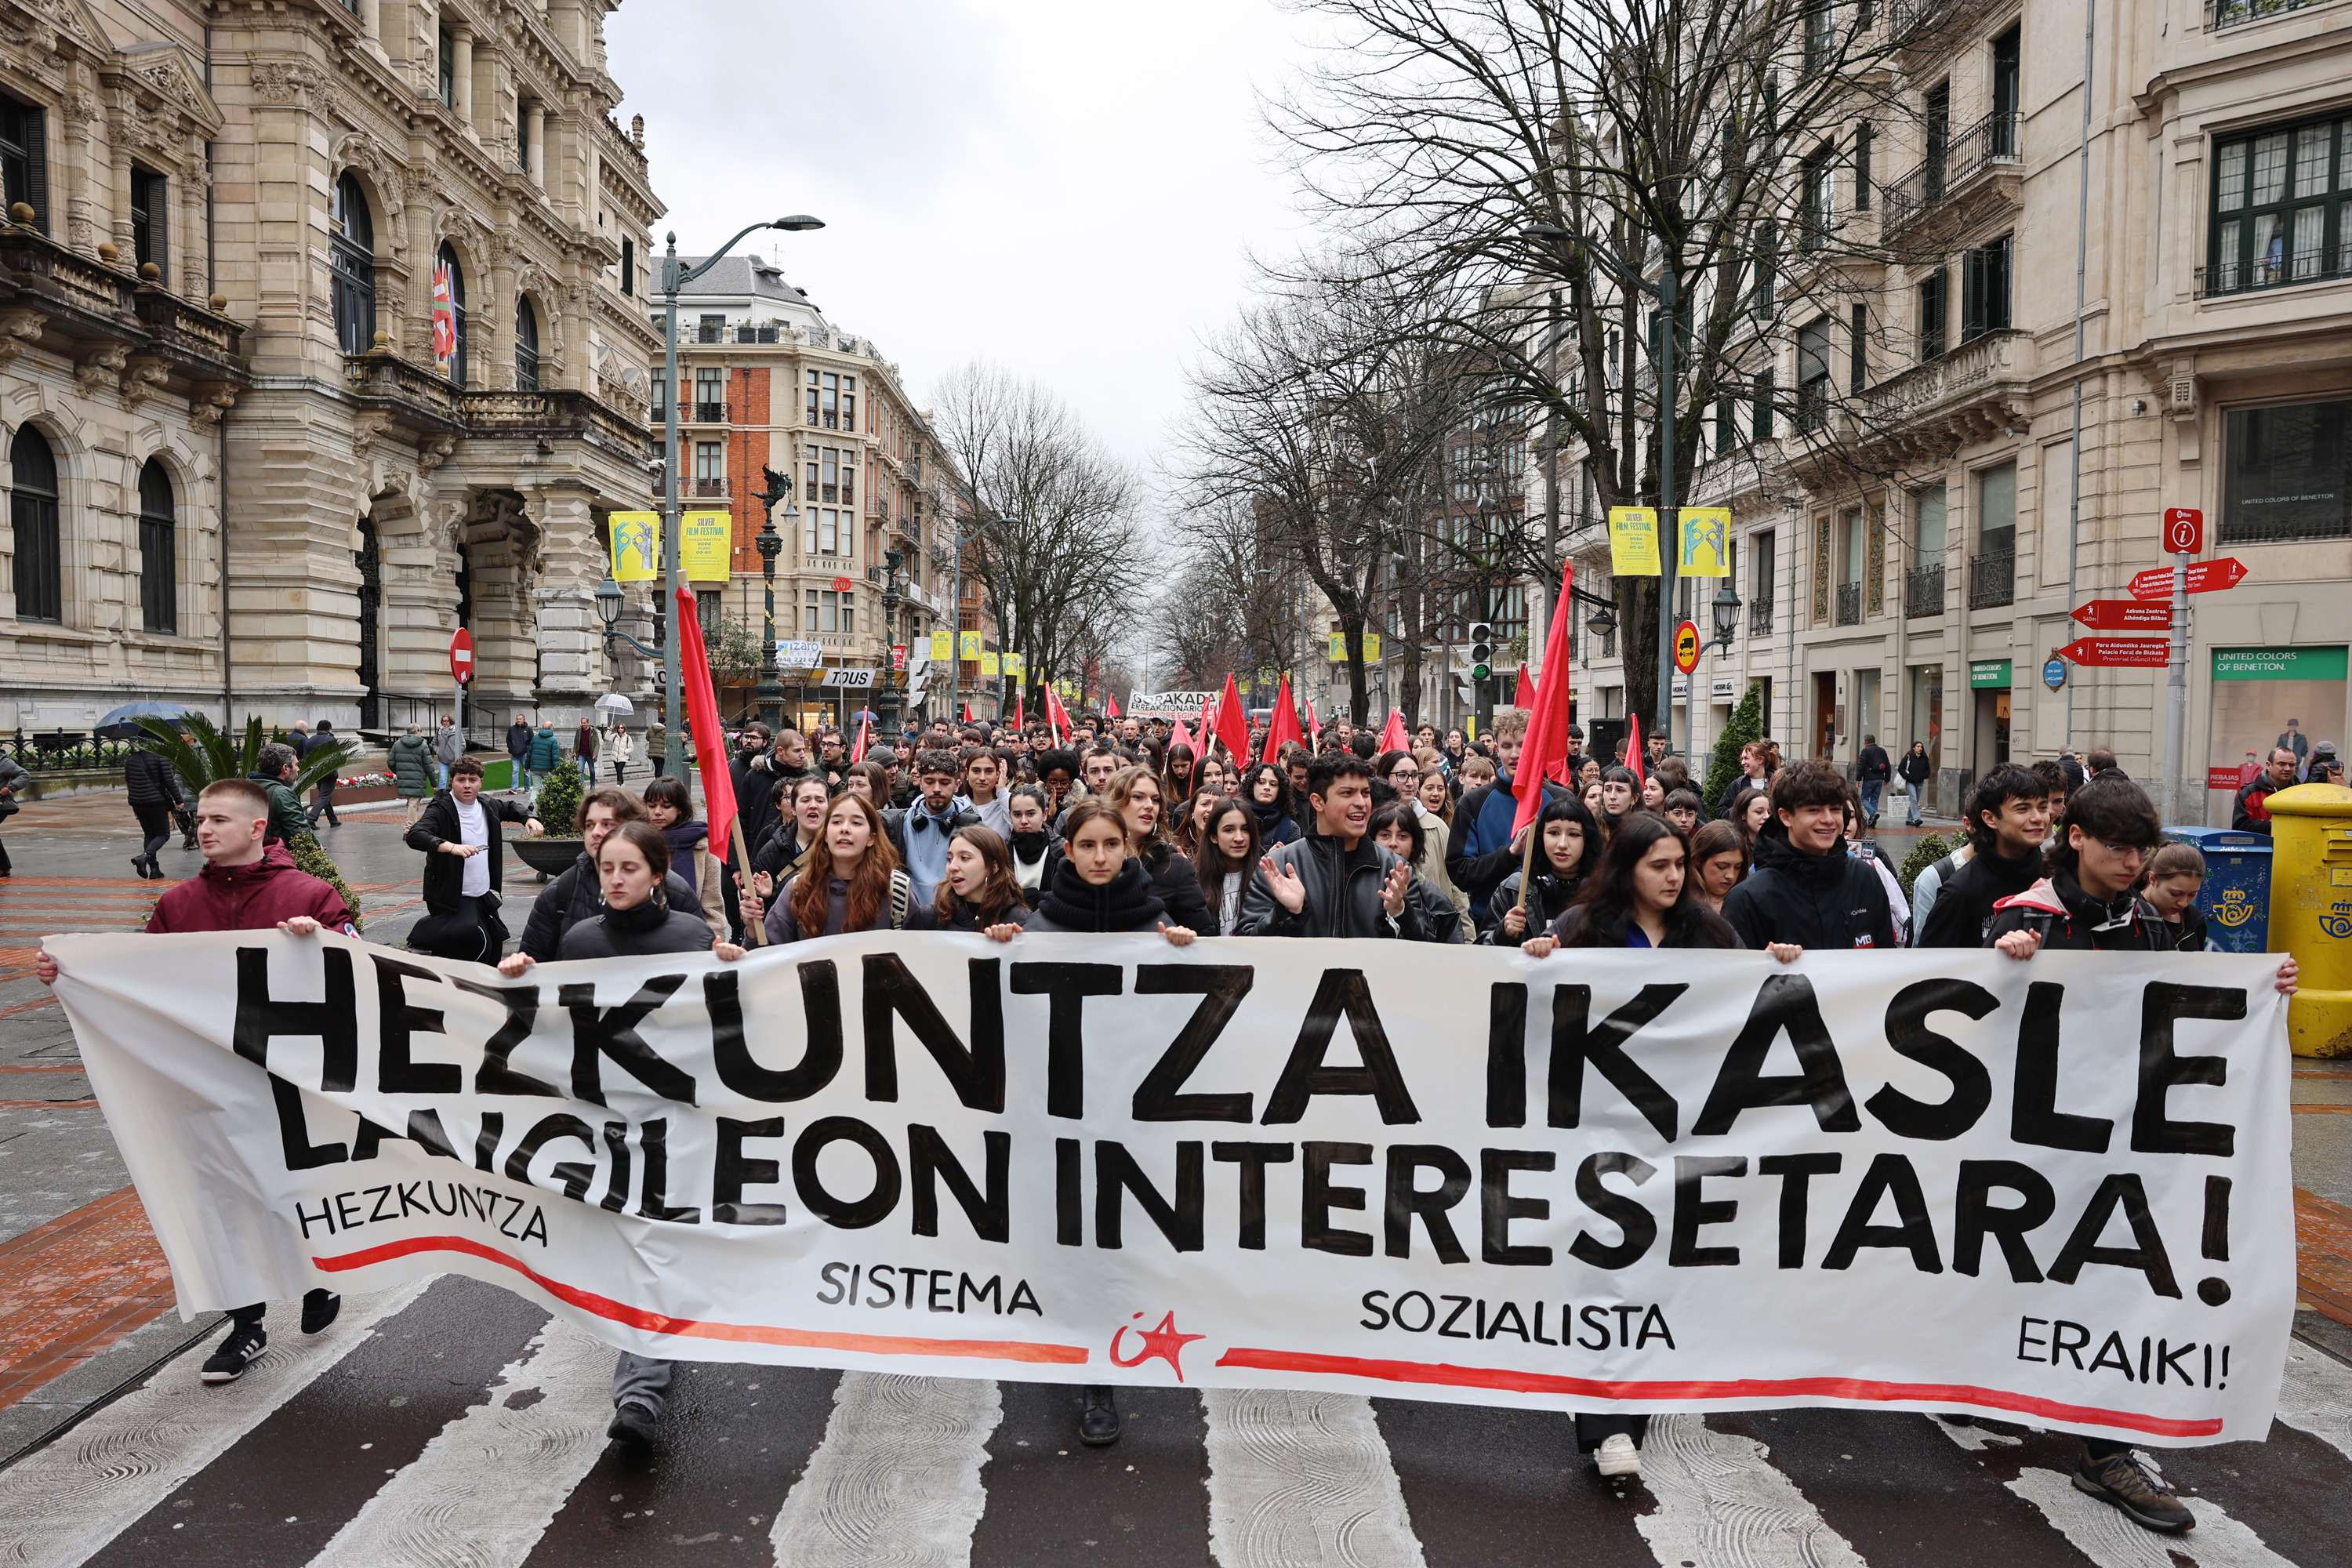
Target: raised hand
(1393, 888)
(1284, 882)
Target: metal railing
(2275, 270)
(1759, 617)
(712, 488)
(2280, 531)
(1849, 603)
(1992, 578)
(2221, 13)
(1989, 142)
(1923, 591)
(54, 751)
(710, 414)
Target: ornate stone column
(461, 41)
(572, 671)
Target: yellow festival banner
(970, 644)
(1633, 542)
(705, 541)
(988, 663)
(636, 545)
(1703, 552)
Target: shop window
(2286, 473)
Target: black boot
(1098, 1422)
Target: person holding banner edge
(247, 884)
(2085, 903)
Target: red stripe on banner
(1941, 1394)
(688, 1328)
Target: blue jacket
(1478, 852)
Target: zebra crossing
(451, 1423)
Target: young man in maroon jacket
(246, 884)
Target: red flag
(1233, 722)
(1393, 735)
(865, 728)
(1284, 731)
(1634, 753)
(1057, 716)
(1546, 743)
(1313, 725)
(1020, 700)
(1180, 736)
(1525, 697)
(1110, 706)
(702, 716)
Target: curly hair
(869, 879)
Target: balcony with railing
(706, 413)
(1992, 578)
(1923, 591)
(1759, 615)
(1849, 603)
(707, 487)
(1988, 148)
(2221, 13)
(2276, 269)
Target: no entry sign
(461, 656)
(2205, 577)
(2125, 615)
(2113, 653)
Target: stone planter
(548, 856)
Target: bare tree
(1062, 552)
(1563, 166)
(1317, 418)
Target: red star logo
(1163, 1342)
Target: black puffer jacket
(1178, 882)
(1129, 902)
(576, 896)
(1547, 901)
(1963, 910)
(1822, 902)
(1343, 895)
(967, 917)
(632, 933)
(149, 780)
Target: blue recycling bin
(2236, 897)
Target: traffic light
(1482, 651)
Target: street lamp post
(772, 690)
(1669, 520)
(673, 755)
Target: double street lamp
(675, 755)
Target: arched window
(350, 252)
(526, 345)
(33, 513)
(159, 556)
(449, 317)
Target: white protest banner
(2055, 1190)
(1185, 705)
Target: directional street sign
(1686, 646)
(2205, 577)
(2113, 653)
(2125, 615)
(2184, 529)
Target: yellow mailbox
(2311, 912)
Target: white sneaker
(1618, 1456)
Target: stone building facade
(1911, 536)
(766, 382)
(367, 281)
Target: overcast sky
(1070, 188)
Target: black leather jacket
(1343, 895)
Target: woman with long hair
(1265, 790)
(1212, 775)
(1099, 889)
(1749, 810)
(1398, 772)
(1589, 792)
(1638, 897)
(1436, 797)
(1653, 792)
(850, 882)
(1178, 771)
(978, 893)
(1035, 847)
(1719, 858)
(1134, 794)
(1228, 853)
(1396, 827)
(669, 805)
(1568, 848)
(1193, 821)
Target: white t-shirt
(474, 828)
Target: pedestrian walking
(248, 883)
(519, 753)
(154, 791)
(2252, 813)
(2292, 742)
(574, 894)
(1916, 770)
(273, 769)
(2083, 902)
(448, 745)
(669, 811)
(13, 778)
(978, 893)
(464, 864)
(621, 747)
(583, 748)
(851, 881)
(322, 794)
(410, 759)
(633, 867)
(1134, 794)
(546, 754)
(1036, 848)
(1872, 768)
(1335, 881)
(1569, 848)
(1806, 890)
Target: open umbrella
(122, 724)
(614, 703)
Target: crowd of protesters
(1130, 827)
